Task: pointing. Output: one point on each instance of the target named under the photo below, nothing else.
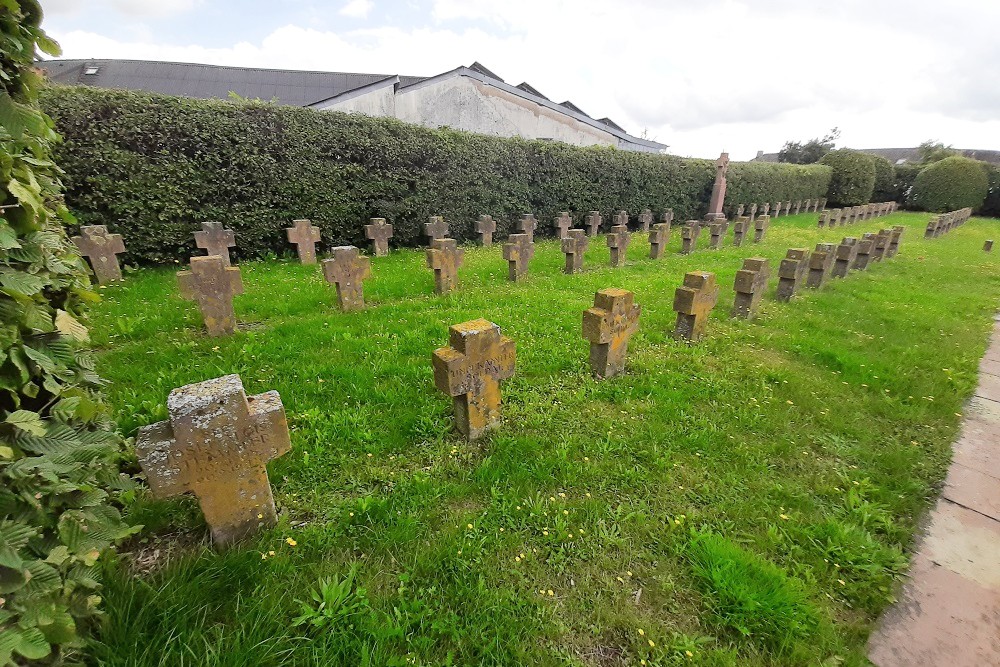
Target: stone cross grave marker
(693, 301)
(216, 240)
(659, 236)
(485, 226)
(518, 252)
(821, 264)
(881, 245)
(776, 209)
(822, 202)
(846, 255)
(717, 233)
(620, 219)
(527, 225)
(788, 207)
(824, 217)
(574, 246)
(988, 245)
(563, 224)
(304, 237)
(740, 229)
(931, 230)
(753, 212)
(444, 257)
(470, 371)
(792, 272)
(347, 270)
(645, 220)
(760, 226)
(102, 250)
(213, 285)
(436, 229)
(216, 445)
(593, 222)
(609, 326)
(797, 207)
(668, 216)
(618, 241)
(750, 285)
(866, 246)
(895, 236)
(689, 236)
(379, 233)
(765, 209)
(740, 209)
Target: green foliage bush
(57, 450)
(759, 182)
(950, 184)
(902, 182)
(152, 167)
(885, 179)
(991, 206)
(853, 179)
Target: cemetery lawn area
(748, 500)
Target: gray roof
(294, 88)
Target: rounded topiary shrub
(950, 184)
(853, 179)
(885, 179)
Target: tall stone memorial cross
(436, 229)
(102, 250)
(821, 264)
(693, 301)
(304, 237)
(750, 285)
(760, 226)
(689, 236)
(527, 225)
(213, 285)
(379, 233)
(718, 188)
(659, 236)
(717, 231)
(618, 241)
(470, 372)
(347, 270)
(216, 240)
(609, 326)
(563, 224)
(792, 272)
(740, 229)
(216, 445)
(593, 222)
(846, 256)
(645, 220)
(444, 257)
(895, 236)
(574, 246)
(518, 252)
(485, 227)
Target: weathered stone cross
(765, 209)
(791, 272)
(668, 216)
(379, 232)
(750, 285)
(846, 255)
(212, 284)
(215, 240)
(444, 257)
(753, 212)
(689, 236)
(216, 445)
(593, 222)
(895, 236)
(821, 264)
(760, 227)
(618, 241)
(609, 326)
(437, 228)
(717, 231)
(645, 220)
(740, 229)
(563, 224)
(470, 371)
(518, 252)
(574, 245)
(347, 270)
(621, 218)
(527, 225)
(865, 248)
(693, 301)
(101, 249)
(776, 210)
(305, 237)
(485, 226)
(659, 236)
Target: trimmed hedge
(950, 184)
(853, 179)
(750, 182)
(902, 182)
(152, 167)
(991, 206)
(885, 179)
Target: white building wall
(378, 102)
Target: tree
(934, 151)
(811, 151)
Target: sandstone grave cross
(866, 246)
(847, 255)
(693, 301)
(593, 222)
(379, 232)
(750, 285)
(609, 326)
(689, 236)
(470, 371)
(216, 445)
(304, 237)
(717, 233)
(518, 252)
(618, 241)
(895, 236)
(527, 225)
(645, 220)
(213, 285)
(574, 246)
(821, 264)
(562, 224)
(444, 257)
(436, 229)
(760, 227)
(659, 236)
(740, 229)
(485, 226)
(791, 272)
(102, 250)
(216, 240)
(347, 270)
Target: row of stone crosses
(217, 440)
(776, 209)
(941, 224)
(850, 215)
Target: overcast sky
(698, 75)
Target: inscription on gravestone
(212, 285)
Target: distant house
(466, 98)
(902, 155)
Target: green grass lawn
(745, 501)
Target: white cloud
(700, 75)
(357, 9)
